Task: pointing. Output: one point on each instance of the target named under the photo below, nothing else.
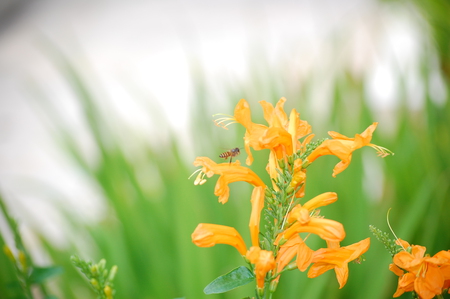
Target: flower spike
(289, 222)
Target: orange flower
(208, 235)
(338, 258)
(424, 274)
(263, 261)
(287, 252)
(302, 212)
(276, 137)
(282, 134)
(302, 220)
(445, 268)
(294, 247)
(257, 205)
(299, 178)
(242, 115)
(342, 147)
(229, 173)
(329, 230)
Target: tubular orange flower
(405, 280)
(229, 173)
(208, 235)
(263, 261)
(338, 258)
(287, 252)
(282, 134)
(301, 212)
(422, 271)
(242, 115)
(298, 129)
(342, 147)
(304, 256)
(293, 247)
(445, 267)
(299, 177)
(329, 230)
(257, 201)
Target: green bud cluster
(280, 200)
(99, 277)
(309, 148)
(383, 237)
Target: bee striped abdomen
(230, 154)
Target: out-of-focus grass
(147, 230)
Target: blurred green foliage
(146, 231)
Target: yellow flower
(263, 261)
(208, 235)
(342, 147)
(337, 258)
(425, 275)
(229, 173)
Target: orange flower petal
(402, 243)
(257, 201)
(275, 117)
(287, 252)
(278, 140)
(397, 271)
(338, 258)
(430, 284)
(298, 129)
(242, 113)
(321, 200)
(253, 254)
(341, 275)
(208, 235)
(342, 147)
(406, 260)
(326, 229)
(405, 284)
(318, 269)
(263, 261)
(229, 173)
(304, 256)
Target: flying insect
(230, 154)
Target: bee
(230, 153)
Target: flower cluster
(425, 275)
(289, 221)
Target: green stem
(440, 296)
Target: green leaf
(40, 274)
(233, 279)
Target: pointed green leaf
(233, 279)
(40, 274)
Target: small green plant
(18, 273)
(99, 277)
